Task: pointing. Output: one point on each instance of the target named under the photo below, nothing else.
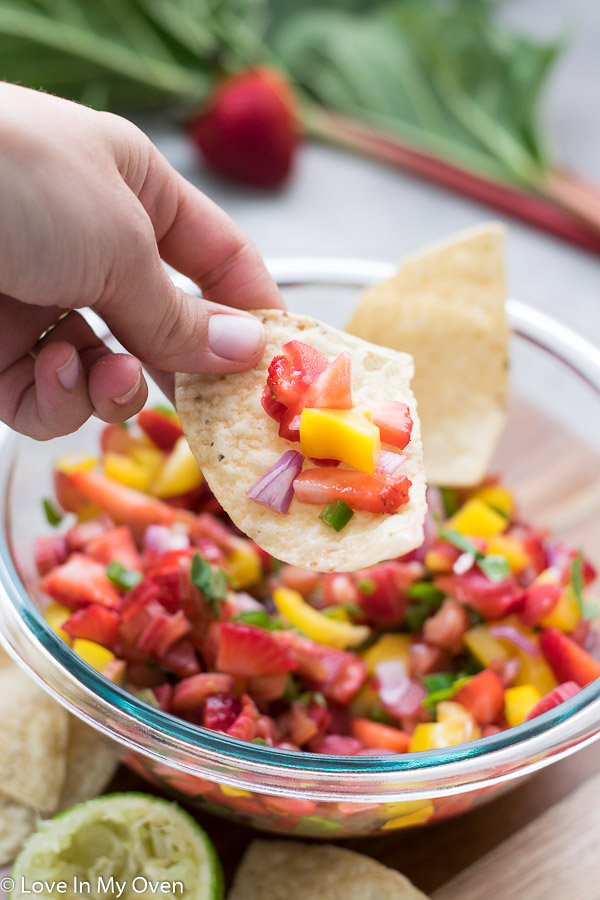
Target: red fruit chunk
(285, 381)
(221, 711)
(305, 358)
(266, 688)
(94, 623)
(483, 697)
(245, 650)
(50, 552)
(192, 692)
(494, 600)
(301, 580)
(164, 695)
(162, 632)
(249, 130)
(447, 626)
(425, 659)
(394, 422)
(181, 659)
(162, 429)
(376, 735)
(553, 698)
(68, 498)
(116, 544)
(244, 728)
(370, 493)
(338, 745)
(290, 806)
(381, 593)
(207, 526)
(333, 387)
(568, 660)
(79, 582)
(81, 534)
(289, 425)
(539, 601)
(116, 439)
(272, 407)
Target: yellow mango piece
(233, 791)
(438, 562)
(417, 817)
(498, 497)
(344, 434)
(483, 646)
(447, 712)
(92, 653)
(244, 567)
(150, 458)
(435, 735)
(56, 615)
(293, 607)
(566, 615)
(534, 670)
(477, 519)
(518, 701)
(511, 549)
(180, 472)
(388, 646)
(75, 462)
(127, 471)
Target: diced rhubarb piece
(162, 632)
(245, 650)
(50, 552)
(80, 581)
(568, 660)
(361, 491)
(181, 659)
(192, 692)
(447, 626)
(553, 698)
(94, 623)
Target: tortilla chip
(91, 763)
(236, 443)
(17, 822)
(287, 870)
(33, 745)
(445, 306)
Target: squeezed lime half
(121, 846)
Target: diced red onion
(516, 637)
(295, 423)
(245, 602)
(398, 693)
(160, 539)
(389, 462)
(464, 563)
(275, 489)
(431, 525)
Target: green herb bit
(459, 541)
(259, 618)
(443, 693)
(378, 714)
(148, 696)
(426, 592)
(415, 617)
(449, 500)
(494, 567)
(211, 582)
(366, 586)
(260, 741)
(588, 608)
(123, 578)
(309, 697)
(292, 690)
(53, 517)
(336, 515)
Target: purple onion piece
(512, 634)
(389, 462)
(275, 489)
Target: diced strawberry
(81, 534)
(208, 526)
(50, 552)
(568, 660)
(245, 650)
(333, 387)
(483, 697)
(273, 408)
(164, 695)
(394, 422)
(289, 425)
(425, 659)
(370, 493)
(80, 581)
(94, 623)
(538, 602)
(116, 544)
(181, 659)
(553, 698)
(447, 626)
(380, 596)
(337, 589)
(137, 610)
(190, 693)
(302, 580)
(346, 675)
(307, 654)
(116, 438)
(123, 504)
(309, 361)
(493, 599)
(221, 711)
(245, 725)
(338, 745)
(374, 734)
(162, 429)
(162, 632)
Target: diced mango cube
(519, 701)
(75, 462)
(56, 615)
(484, 646)
(534, 670)
(448, 712)
(345, 434)
(230, 791)
(92, 653)
(423, 811)
(149, 458)
(180, 472)
(498, 497)
(438, 562)
(244, 567)
(477, 519)
(127, 471)
(511, 549)
(388, 646)
(566, 615)
(436, 735)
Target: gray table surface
(338, 204)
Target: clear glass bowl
(308, 794)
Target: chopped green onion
(366, 586)
(123, 578)
(425, 591)
(450, 501)
(336, 515)
(259, 618)
(494, 566)
(378, 714)
(211, 582)
(53, 517)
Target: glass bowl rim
(167, 739)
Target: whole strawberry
(249, 130)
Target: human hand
(90, 207)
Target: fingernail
(234, 337)
(68, 373)
(125, 398)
